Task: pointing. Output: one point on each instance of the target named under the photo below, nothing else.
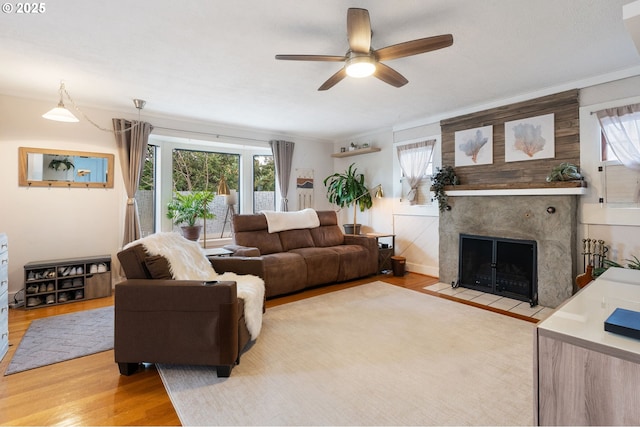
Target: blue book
(624, 322)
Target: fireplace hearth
(505, 267)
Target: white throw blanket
(280, 221)
(187, 261)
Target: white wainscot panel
(417, 240)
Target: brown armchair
(160, 320)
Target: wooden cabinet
(584, 375)
(4, 295)
(66, 280)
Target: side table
(385, 250)
(217, 252)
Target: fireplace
(518, 217)
(505, 267)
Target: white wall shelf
(356, 152)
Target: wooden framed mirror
(45, 167)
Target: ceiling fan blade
(359, 30)
(332, 58)
(414, 47)
(333, 80)
(389, 75)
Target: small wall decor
(304, 188)
(529, 139)
(474, 146)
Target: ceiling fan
(362, 61)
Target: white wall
(54, 223)
(618, 227)
(415, 227)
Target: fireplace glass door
(505, 267)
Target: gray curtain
(131, 138)
(282, 157)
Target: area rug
(374, 354)
(63, 337)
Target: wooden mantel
(518, 188)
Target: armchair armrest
(173, 295)
(176, 321)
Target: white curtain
(621, 128)
(414, 160)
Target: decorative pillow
(158, 267)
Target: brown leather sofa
(161, 320)
(292, 260)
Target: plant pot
(191, 232)
(351, 228)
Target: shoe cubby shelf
(66, 280)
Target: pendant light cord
(63, 89)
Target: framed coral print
(474, 146)
(529, 139)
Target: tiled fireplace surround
(517, 217)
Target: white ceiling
(213, 60)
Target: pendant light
(60, 113)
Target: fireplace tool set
(594, 252)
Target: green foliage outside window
(202, 171)
(264, 173)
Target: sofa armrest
(367, 241)
(238, 264)
(239, 250)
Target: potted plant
(346, 189)
(187, 208)
(445, 176)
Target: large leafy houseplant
(186, 208)
(348, 188)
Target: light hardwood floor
(90, 391)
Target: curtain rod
(217, 135)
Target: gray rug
(374, 354)
(64, 337)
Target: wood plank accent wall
(563, 105)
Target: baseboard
(427, 270)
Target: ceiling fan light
(60, 114)
(360, 66)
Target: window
(185, 164)
(264, 183)
(146, 194)
(416, 165)
(621, 184)
(195, 170)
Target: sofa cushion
(327, 235)
(323, 264)
(265, 242)
(158, 267)
(351, 261)
(132, 261)
(285, 272)
(294, 239)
